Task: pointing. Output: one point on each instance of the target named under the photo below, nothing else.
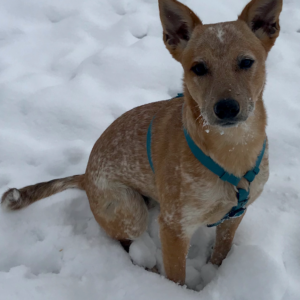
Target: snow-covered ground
(68, 68)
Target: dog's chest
(206, 198)
(205, 192)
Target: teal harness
(242, 194)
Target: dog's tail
(15, 199)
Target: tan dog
(224, 114)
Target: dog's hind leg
(120, 210)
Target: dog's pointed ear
(262, 16)
(178, 23)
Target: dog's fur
(118, 174)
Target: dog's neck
(235, 149)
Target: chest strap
(242, 194)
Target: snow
(68, 68)
(143, 251)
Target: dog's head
(224, 63)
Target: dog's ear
(178, 23)
(262, 16)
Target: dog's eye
(200, 69)
(246, 63)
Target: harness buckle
(235, 213)
(250, 175)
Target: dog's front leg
(224, 237)
(174, 249)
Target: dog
(149, 151)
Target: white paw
(11, 200)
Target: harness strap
(149, 135)
(149, 138)
(251, 174)
(209, 163)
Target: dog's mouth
(228, 124)
(224, 123)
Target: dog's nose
(227, 109)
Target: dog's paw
(11, 200)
